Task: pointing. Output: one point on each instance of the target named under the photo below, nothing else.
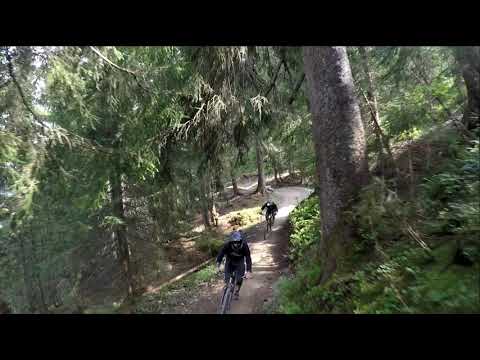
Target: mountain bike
(227, 294)
(270, 221)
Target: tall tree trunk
(43, 303)
(291, 170)
(235, 186)
(275, 168)
(218, 180)
(4, 308)
(372, 104)
(340, 147)
(27, 263)
(213, 213)
(204, 195)
(120, 230)
(234, 181)
(155, 215)
(469, 61)
(260, 166)
(212, 209)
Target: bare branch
(5, 83)
(272, 85)
(20, 90)
(134, 74)
(295, 91)
(96, 51)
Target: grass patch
(245, 217)
(173, 295)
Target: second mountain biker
(271, 207)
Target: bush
(378, 215)
(399, 277)
(405, 281)
(405, 284)
(451, 198)
(305, 221)
(210, 243)
(245, 217)
(296, 293)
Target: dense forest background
(110, 157)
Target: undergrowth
(244, 217)
(391, 271)
(176, 294)
(210, 242)
(305, 227)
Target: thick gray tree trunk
(340, 147)
(260, 167)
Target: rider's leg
(228, 272)
(239, 280)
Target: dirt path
(268, 258)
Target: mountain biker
(271, 207)
(236, 252)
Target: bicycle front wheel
(225, 300)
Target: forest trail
(269, 261)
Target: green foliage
(416, 87)
(210, 243)
(168, 299)
(306, 231)
(404, 282)
(385, 276)
(378, 214)
(172, 118)
(202, 276)
(451, 197)
(298, 294)
(245, 217)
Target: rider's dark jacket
(272, 208)
(235, 257)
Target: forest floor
(269, 258)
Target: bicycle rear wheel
(269, 226)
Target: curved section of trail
(269, 259)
